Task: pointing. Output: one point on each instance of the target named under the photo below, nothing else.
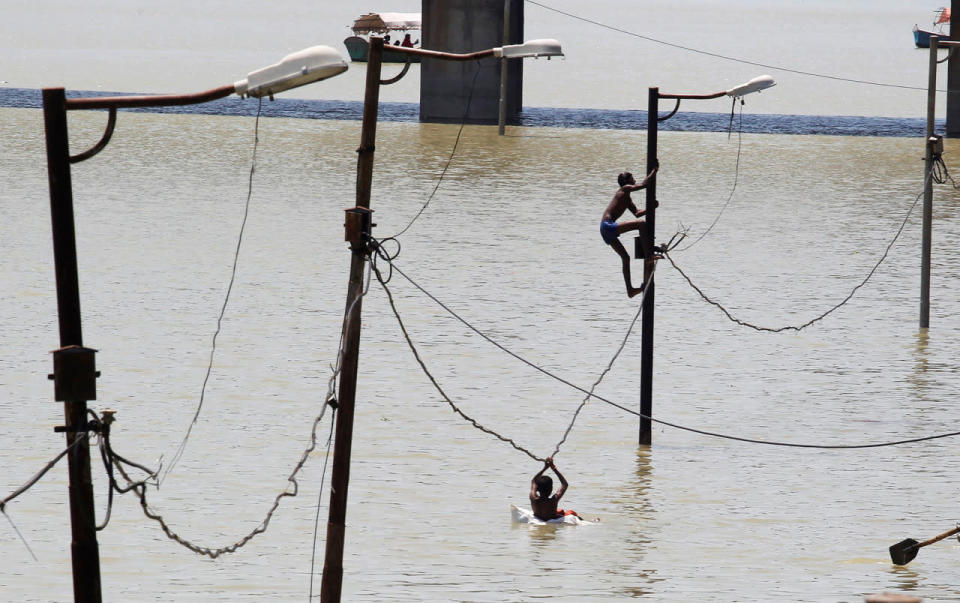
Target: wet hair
(544, 486)
(624, 178)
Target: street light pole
(646, 345)
(926, 244)
(358, 227)
(85, 552)
(74, 373)
(332, 581)
(646, 324)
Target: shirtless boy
(610, 230)
(543, 505)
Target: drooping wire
(80, 437)
(568, 383)
(22, 539)
(721, 56)
(453, 151)
(823, 315)
(736, 177)
(316, 520)
(223, 309)
(623, 344)
(140, 489)
(436, 385)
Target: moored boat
(941, 17)
(386, 24)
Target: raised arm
(563, 481)
(645, 182)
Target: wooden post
(84, 549)
(646, 346)
(926, 243)
(330, 590)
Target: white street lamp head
(534, 48)
(297, 69)
(755, 85)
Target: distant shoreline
(598, 119)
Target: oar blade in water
(904, 551)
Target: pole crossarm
(447, 56)
(694, 96)
(156, 100)
(102, 143)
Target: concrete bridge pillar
(953, 75)
(448, 87)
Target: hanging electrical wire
(453, 151)
(316, 520)
(823, 315)
(736, 177)
(721, 56)
(593, 395)
(226, 299)
(623, 344)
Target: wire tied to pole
(81, 437)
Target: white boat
(396, 28)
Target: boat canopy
(382, 22)
(942, 16)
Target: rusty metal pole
(331, 587)
(927, 229)
(646, 345)
(84, 548)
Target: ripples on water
(684, 121)
(511, 242)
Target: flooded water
(509, 242)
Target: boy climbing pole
(543, 505)
(610, 230)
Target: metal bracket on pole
(358, 226)
(74, 374)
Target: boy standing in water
(610, 230)
(545, 506)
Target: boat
(921, 37)
(386, 24)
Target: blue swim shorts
(608, 230)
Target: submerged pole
(929, 143)
(646, 346)
(70, 377)
(331, 586)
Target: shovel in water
(904, 551)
